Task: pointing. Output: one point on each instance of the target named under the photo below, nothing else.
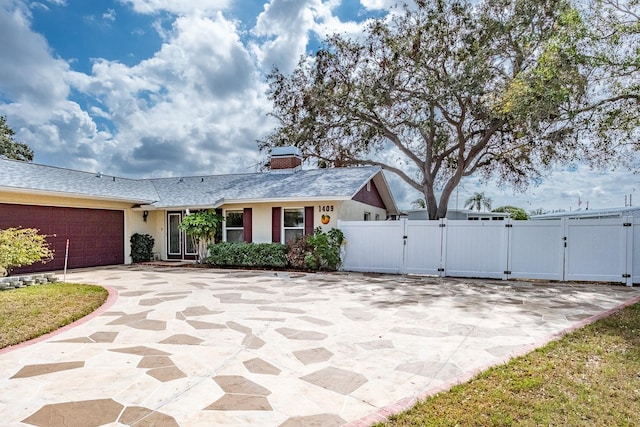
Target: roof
(453, 214)
(30, 177)
(593, 213)
(196, 191)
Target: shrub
(202, 226)
(141, 247)
(318, 251)
(298, 250)
(22, 246)
(263, 255)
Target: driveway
(198, 347)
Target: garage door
(96, 236)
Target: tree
(202, 227)
(478, 201)
(450, 88)
(22, 246)
(419, 203)
(9, 147)
(610, 121)
(514, 212)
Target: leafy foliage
(10, 148)
(297, 252)
(610, 121)
(202, 227)
(514, 212)
(263, 255)
(318, 251)
(22, 246)
(141, 247)
(448, 89)
(478, 201)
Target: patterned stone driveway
(198, 347)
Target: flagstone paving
(199, 347)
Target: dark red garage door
(96, 236)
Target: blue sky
(142, 88)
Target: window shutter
(308, 220)
(276, 225)
(218, 236)
(247, 223)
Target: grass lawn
(590, 377)
(27, 313)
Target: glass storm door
(179, 245)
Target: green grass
(28, 313)
(589, 377)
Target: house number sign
(325, 208)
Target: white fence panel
(475, 248)
(424, 247)
(536, 250)
(373, 246)
(635, 246)
(596, 250)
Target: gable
(370, 195)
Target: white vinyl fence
(581, 250)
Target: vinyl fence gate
(600, 250)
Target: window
(293, 224)
(377, 217)
(234, 226)
(367, 216)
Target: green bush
(318, 251)
(263, 255)
(141, 247)
(22, 246)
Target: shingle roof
(16, 175)
(210, 190)
(302, 184)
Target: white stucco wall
(332, 210)
(350, 210)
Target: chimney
(285, 158)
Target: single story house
(633, 211)
(98, 213)
(458, 214)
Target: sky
(155, 88)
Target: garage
(96, 236)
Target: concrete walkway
(196, 347)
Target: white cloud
(179, 7)
(284, 28)
(37, 85)
(378, 4)
(109, 15)
(186, 109)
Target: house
(98, 213)
(593, 213)
(458, 214)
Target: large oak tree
(443, 90)
(610, 120)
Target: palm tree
(419, 203)
(478, 201)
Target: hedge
(262, 255)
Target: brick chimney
(285, 158)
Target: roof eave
(50, 193)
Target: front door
(179, 245)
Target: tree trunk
(431, 201)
